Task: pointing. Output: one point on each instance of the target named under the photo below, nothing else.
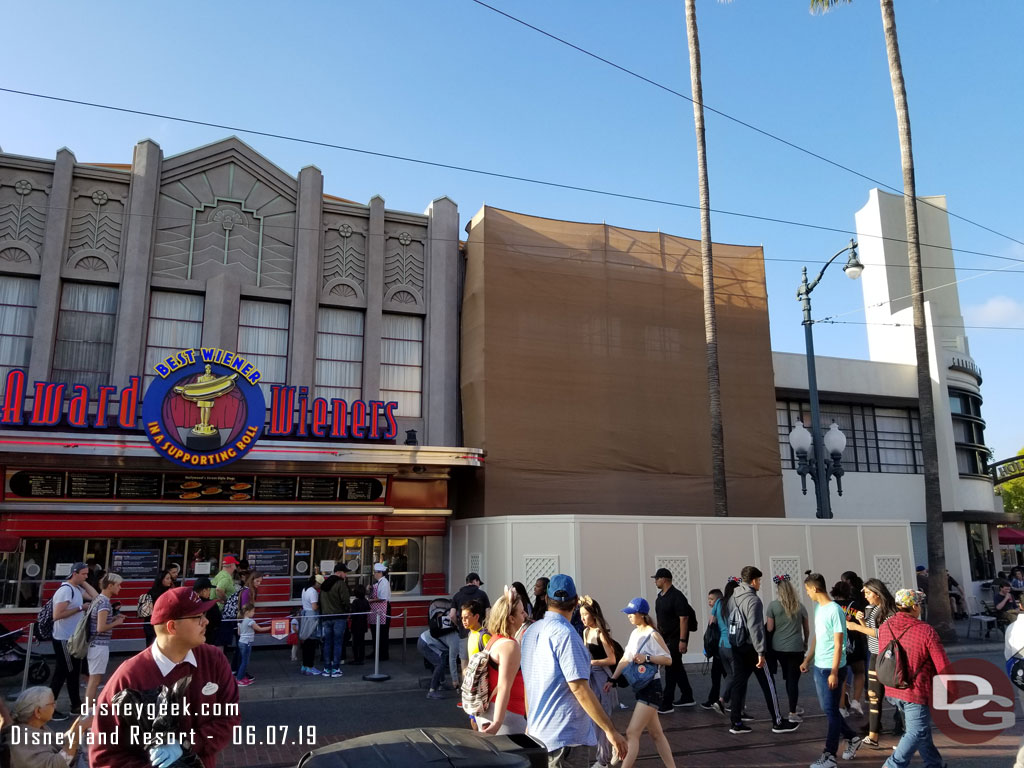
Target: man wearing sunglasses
(208, 709)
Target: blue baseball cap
(637, 605)
(561, 587)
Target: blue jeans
(916, 738)
(435, 659)
(828, 698)
(244, 652)
(333, 632)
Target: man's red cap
(230, 560)
(177, 604)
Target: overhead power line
(738, 121)
(481, 172)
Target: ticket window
(202, 558)
(9, 563)
(402, 557)
(175, 556)
(63, 555)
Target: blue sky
(454, 82)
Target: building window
(18, 299)
(968, 432)
(978, 551)
(339, 354)
(175, 323)
(84, 350)
(877, 439)
(263, 340)
(401, 363)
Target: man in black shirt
(673, 612)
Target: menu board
(194, 488)
(203, 488)
(270, 561)
(90, 485)
(135, 563)
(318, 488)
(134, 486)
(275, 488)
(37, 485)
(360, 489)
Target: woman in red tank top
(507, 713)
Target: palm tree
(707, 271)
(939, 614)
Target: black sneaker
(684, 703)
(785, 726)
(665, 709)
(741, 728)
(59, 716)
(708, 704)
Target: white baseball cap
(380, 567)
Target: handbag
(640, 675)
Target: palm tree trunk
(707, 271)
(939, 614)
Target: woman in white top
(645, 647)
(309, 624)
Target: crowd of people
(554, 669)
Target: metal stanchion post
(405, 625)
(377, 677)
(28, 655)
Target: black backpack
(892, 667)
(712, 638)
(621, 681)
(691, 625)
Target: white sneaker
(843, 711)
(827, 760)
(857, 707)
(851, 747)
(793, 717)
(599, 764)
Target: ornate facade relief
(23, 206)
(404, 262)
(97, 224)
(226, 218)
(344, 271)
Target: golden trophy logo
(204, 391)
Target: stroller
(12, 658)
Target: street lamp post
(823, 469)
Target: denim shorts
(651, 693)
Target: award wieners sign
(204, 409)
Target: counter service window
(339, 354)
(175, 323)
(84, 348)
(401, 362)
(18, 299)
(263, 340)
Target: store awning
(1011, 536)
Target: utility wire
(911, 325)
(466, 169)
(738, 121)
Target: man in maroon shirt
(209, 707)
(925, 659)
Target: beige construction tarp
(584, 378)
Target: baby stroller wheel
(39, 672)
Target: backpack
(144, 608)
(476, 688)
(231, 606)
(78, 644)
(892, 668)
(44, 619)
(712, 638)
(621, 681)
(439, 619)
(738, 633)
(691, 624)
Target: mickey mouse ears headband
(781, 578)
